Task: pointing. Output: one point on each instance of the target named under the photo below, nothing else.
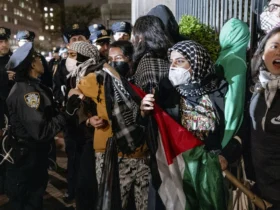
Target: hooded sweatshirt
(234, 39)
(169, 21)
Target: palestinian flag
(191, 178)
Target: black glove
(73, 104)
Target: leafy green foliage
(201, 33)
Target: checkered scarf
(269, 21)
(125, 129)
(80, 70)
(203, 75)
(150, 71)
(270, 83)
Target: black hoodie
(169, 21)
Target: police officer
(5, 54)
(34, 123)
(100, 37)
(29, 36)
(121, 31)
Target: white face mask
(70, 64)
(179, 76)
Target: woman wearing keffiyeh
(265, 117)
(194, 96)
(115, 120)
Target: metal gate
(215, 12)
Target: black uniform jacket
(32, 114)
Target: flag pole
(262, 204)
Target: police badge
(2, 31)
(32, 99)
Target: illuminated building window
(6, 19)
(52, 27)
(33, 11)
(15, 21)
(5, 8)
(51, 9)
(47, 27)
(46, 14)
(41, 38)
(51, 14)
(21, 4)
(45, 8)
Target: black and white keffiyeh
(150, 71)
(88, 50)
(80, 70)
(126, 131)
(203, 79)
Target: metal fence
(215, 12)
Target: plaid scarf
(270, 83)
(269, 21)
(125, 129)
(150, 71)
(80, 70)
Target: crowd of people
(175, 118)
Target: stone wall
(142, 7)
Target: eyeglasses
(272, 7)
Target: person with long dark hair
(265, 120)
(150, 51)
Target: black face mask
(121, 67)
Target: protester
(269, 18)
(114, 104)
(75, 33)
(232, 65)
(150, 51)
(87, 57)
(170, 24)
(194, 96)
(120, 57)
(264, 112)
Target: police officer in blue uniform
(100, 37)
(121, 31)
(34, 123)
(29, 36)
(5, 86)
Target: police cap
(96, 27)
(99, 35)
(75, 30)
(121, 27)
(22, 56)
(25, 35)
(5, 33)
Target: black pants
(73, 151)
(87, 184)
(27, 179)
